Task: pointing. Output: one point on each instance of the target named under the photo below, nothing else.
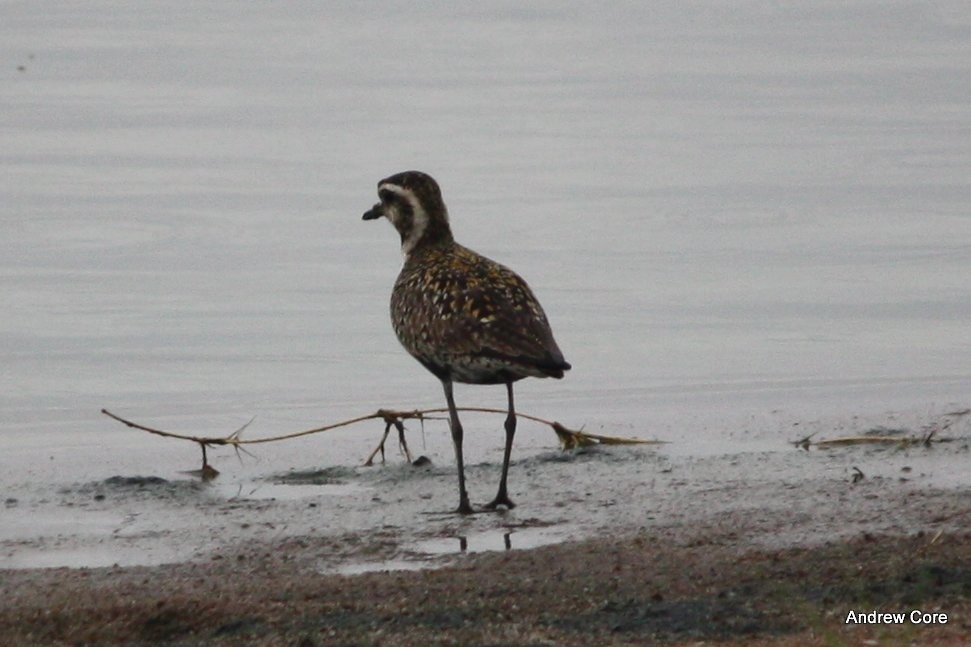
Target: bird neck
(425, 232)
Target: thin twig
(569, 438)
(234, 438)
(927, 440)
(867, 440)
(396, 422)
(390, 417)
(930, 434)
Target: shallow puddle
(433, 553)
(359, 568)
(493, 540)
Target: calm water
(735, 215)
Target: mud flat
(757, 560)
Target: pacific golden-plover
(465, 317)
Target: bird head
(412, 202)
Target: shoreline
(716, 579)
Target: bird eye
(388, 196)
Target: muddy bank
(397, 515)
(609, 547)
(710, 580)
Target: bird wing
(475, 307)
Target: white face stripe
(419, 219)
(394, 188)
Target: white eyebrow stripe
(419, 217)
(394, 188)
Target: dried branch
(400, 426)
(929, 434)
(864, 440)
(569, 438)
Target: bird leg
(502, 497)
(456, 427)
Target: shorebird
(465, 317)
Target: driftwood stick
(396, 422)
(166, 434)
(392, 418)
(930, 434)
(569, 439)
(235, 437)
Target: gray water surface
(743, 219)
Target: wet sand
(730, 577)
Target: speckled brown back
(469, 318)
